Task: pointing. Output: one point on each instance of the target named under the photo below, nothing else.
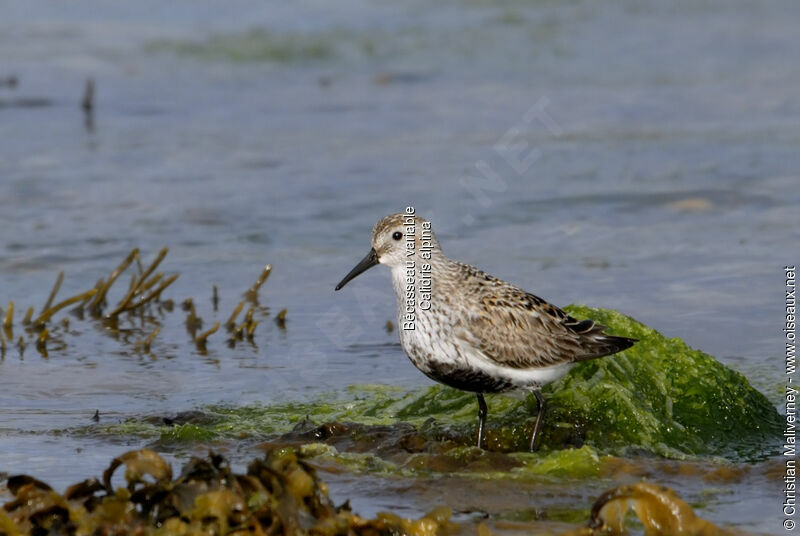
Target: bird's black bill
(366, 263)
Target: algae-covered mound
(659, 396)
(663, 396)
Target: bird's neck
(415, 283)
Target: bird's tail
(611, 344)
(596, 342)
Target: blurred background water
(661, 148)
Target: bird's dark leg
(539, 416)
(481, 417)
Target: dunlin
(464, 328)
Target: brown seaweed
(201, 339)
(54, 291)
(193, 322)
(252, 294)
(8, 319)
(279, 495)
(41, 342)
(138, 463)
(27, 318)
(251, 329)
(660, 510)
(281, 319)
(45, 315)
(231, 322)
(95, 307)
(140, 285)
(149, 340)
(140, 304)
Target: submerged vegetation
(256, 44)
(136, 318)
(279, 494)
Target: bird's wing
(516, 329)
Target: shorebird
(469, 330)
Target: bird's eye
(397, 235)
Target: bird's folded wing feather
(516, 329)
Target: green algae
(584, 462)
(354, 461)
(664, 397)
(660, 397)
(468, 462)
(257, 44)
(187, 432)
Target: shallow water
(660, 180)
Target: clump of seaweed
(246, 329)
(280, 494)
(140, 300)
(659, 509)
(136, 317)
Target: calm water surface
(661, 147)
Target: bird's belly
(457, 367)
(467, 379)
(479, 379)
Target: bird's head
(396, 239)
